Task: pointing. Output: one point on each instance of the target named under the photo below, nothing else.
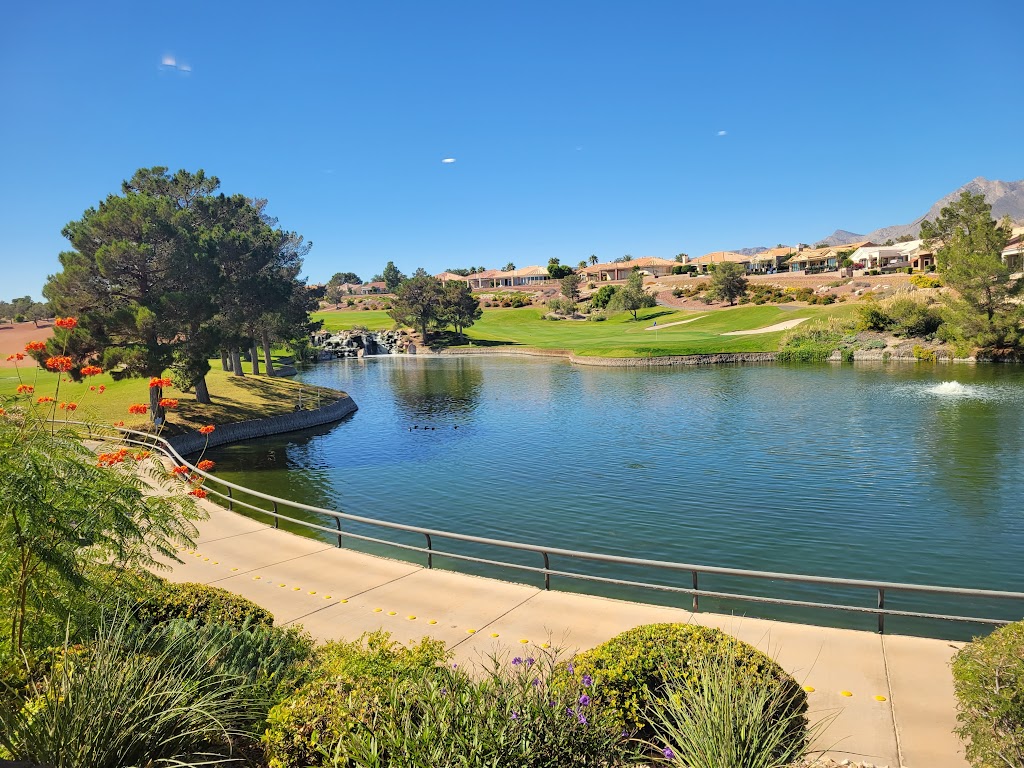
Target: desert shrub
(871, 317)
(346, 685)
(925, 281)
(630, 670)
(199, 603)
(924, 355)
(520, 714)
(350, 302)
(716, 718)
(603, 296)
(597, 317)
(562, 306)
(988, 678)
(677, 292)
(813, 343)
(875, 344)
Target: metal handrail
(135, 437)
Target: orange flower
(46, 399)
(68, 406)
(92, 389)
(16, 356)
(168, 403)
(206, 465)
(180, 470)
(141, 455)
(110, 459)
(199, 493)
(91, 370)
(102, 389)
(158, 382)
(207, 429)
(26, 389)
(66, 322)
(118, 424)
(59, 363)
(138, 408)
(35, 346)
(3, 412)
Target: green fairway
(619, 335)
(234, 398)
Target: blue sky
(648, 128)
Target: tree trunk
(236, 362)
(155, 411)
(202, 393)
(225, 361)
(254, 353)
(266, 354)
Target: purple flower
(515, 715)
(455, 666)
(584, 700)
(668, 753)
(536, 682)
(444, 691)
(571, 668)
(529, 661)
(582, 718)
(587, 681)
(517, 661)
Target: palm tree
(593, 259)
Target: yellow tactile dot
(470, 631)
(845, 693)
(343, 601)
(880, 698)
(296, 589)
(392, 613)
(216, 562)
(524, 641)
(256, 578)
(377, 610)
(809, 688)
(494, 634)
(234, 569)
(282, 585)
(206, 559)
(411, 618)
(432, 621)
(312, 591)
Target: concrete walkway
(894, 694)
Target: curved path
(339, 594)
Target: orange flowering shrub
(180, 470)
(206, 465)
(68, 406)
(158, 382)
(168, 402)
(15, 356)
(110, 459)
(199, 493)
(66, 322)
(44, 399)
(35, 346)
(59, 363)
(207, 429)
(141, 455)
(26, 389)
(91, 370)
(138, 408)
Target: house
(530, 275)
(703, 263)
(490, 278)
(917, 255)
(620, 270)
(367, 288)
(770, 261)
(826, 259)
(445, 277)
(1013, 253)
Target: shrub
(522, 714)
(925, 281)
(716, 718)
(630, 669)
(603, 296)
(811, 343)
(202, 604)
(988, 678)
(924, 355)
(344, 692)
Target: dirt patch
(14, 337)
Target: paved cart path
(339, 594)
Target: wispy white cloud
(448, 160)
(722, 133)
(170, 62)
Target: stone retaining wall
(193, 442)
(622, 362)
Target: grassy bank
(234, 398)
(619, 335)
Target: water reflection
(429, 389)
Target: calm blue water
(890, 472)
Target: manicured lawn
(620, 335)
(234, 398)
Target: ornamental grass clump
(716, 716)
(518, 713)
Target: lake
(898, 472)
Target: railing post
(231, 503)
(547, 568)
(430, 551)
(337, 520)
(277, 521)
(881, 616)
(696, 602)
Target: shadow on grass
(446, 339)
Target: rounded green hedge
(199, 602)
(988, 678)
(632, 667)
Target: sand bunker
(677, 322)
(783, 326)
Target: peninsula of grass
(235, 398)
(620, 335)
